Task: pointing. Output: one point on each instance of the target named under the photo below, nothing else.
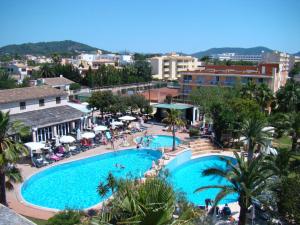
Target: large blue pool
(73, 185)
(187, 177)
(157, 141)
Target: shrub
(194, 132)
(75, 86)
(67, 217)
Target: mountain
(239, 51)
(297, 54)
(48, 48)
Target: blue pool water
(158, 141)
(73, 185)
(188, 177)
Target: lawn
(37, 221)
(283, 142)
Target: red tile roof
(159, 95)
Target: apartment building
(236, 57)
(169, 67)
(228, 76)
(43, 109)
(281, 58)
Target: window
(200, 80)
(58, 100)
(22, 105)
(42, 102)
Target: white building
(125, 59)
(44, 110)
(19, 70)
(282, 58)
(237, 57)
(168, 67)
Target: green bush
(75, 86)
(67, 217)
(194, 132)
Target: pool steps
(203, 146)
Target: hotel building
(169, 67)
(228, 76)
(44, 109)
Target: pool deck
(16, 202)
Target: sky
(154, 25)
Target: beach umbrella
(66, 139)
(269, 129)
(78, 134)
(88, 135)
(34, 146)
(127, 118)
(100, 128)
(116, 123)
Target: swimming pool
(187, 177)
(158, 141)
(73, 185)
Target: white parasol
(269, 129)
(100, 128)
(128, 118)
(88, 135)
(33, 146)
(66, 139)
(116, 123)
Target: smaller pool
(157, 141)
(187, 177)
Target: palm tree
(264, 96)
(46, 71)
(10, 152)
(173, 119)
(288, 123)
(148, 203)
(246, 179)
(288, 97)
(252, 130)
(249, 90)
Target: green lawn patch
(283, 142)
(37, 221)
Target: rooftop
(10, 217)
(239, 70)
(179, 106)
(27, 93)
(51, 116)
(160, 94)
(57, 81)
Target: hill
(239, 51)
(297, 54)
(48, 48)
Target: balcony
(187, 81)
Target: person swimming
(119, 166)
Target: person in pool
(119, 166)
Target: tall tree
(10, 152)
(252, 130)
(246, 179)
(173, 119)
(46, 71)
(288, 97)
(6, 81)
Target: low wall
(181, 158)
